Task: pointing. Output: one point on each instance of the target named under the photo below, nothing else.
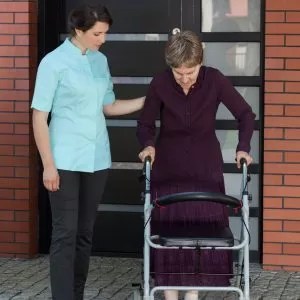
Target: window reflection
(230, 15)
(233, 59)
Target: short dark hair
(84, 17)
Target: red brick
(292, 180)
(292, 64)
(7, 172)
(271, 225)
(14, 247)
(21, 62)
(273, 156)
(6, 215)
(282, 122)
(22, 84)
(14, 139)
(14, 6)
(292, 40)
(272, 268)
(292, 110)
(280, 98)
(273, 133)
(6, 84)
(22, 107)
(7, 237)
(282, 5)
(273, 110)
(21, 215)
(290, 269)
(6, 128)
(292, 16)
(22, 172)
(6, 106)
(6, 194)
(14, 183)
(274, 40)
(14, 226)
(22, 18)
(6, 149)
(287, 145)
(274, 63)
(14, 51)
(14, 205)
(14, 73)
(291, 249)
(276, 16)
(291, 226)
(22, 40)
(274, 87)
(6, 40)
(14, 117)
(273, 180)
(22, 194)
(6, 62)
(292, 134)
(22, 237)
(292, 157)
(286, 260)
(282, 52)
(276, 75)
(279, 191)
(6, 18)
(282, 28)
(291, 203)
(22, 151)
(273, 248)
(282, 214)
(14, 29)
(292, 87)
(14, 161)
(21, 129)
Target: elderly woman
(187, 157)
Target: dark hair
(184, 49)
(84, 17)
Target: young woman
(74, 84)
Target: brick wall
(18, 178)
(281, 238)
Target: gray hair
(184, 48)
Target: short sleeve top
(74, 88)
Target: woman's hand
(148, 151)
(51, 179)
(243, 154)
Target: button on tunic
(74, 87)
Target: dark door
(134, 48)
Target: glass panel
(233, 59)
(228, 140)
(250, 94)
(233, 186)
(235, 226)
(230, 15)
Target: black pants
(74, 209)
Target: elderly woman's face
(186, 76)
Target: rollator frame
(242, 288)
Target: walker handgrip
(243, 161)
(147, 159)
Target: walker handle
(243, 161)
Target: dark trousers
(74, 209)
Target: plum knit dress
(188, 158)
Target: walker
(213, 239)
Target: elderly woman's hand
(243, 154)
(148, 151)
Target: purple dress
(188, 158)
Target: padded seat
(210, 236)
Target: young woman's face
(186, 76)
(93, 38)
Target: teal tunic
(74, 87)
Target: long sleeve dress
(188, 158)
